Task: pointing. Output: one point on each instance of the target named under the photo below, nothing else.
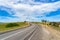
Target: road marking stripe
(13, 34)
(46, 31)
(29, 34)
(32, 35)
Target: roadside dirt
(54, 34)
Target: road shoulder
(54, 34)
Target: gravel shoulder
(54, 34)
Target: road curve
(34, 32)
(20, 34)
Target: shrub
(54, 24)
(12, 25)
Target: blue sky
(29, 10)
(46, 1)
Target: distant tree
(44, 20)
(25, 21)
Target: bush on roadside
(54, 24)
(12, 25)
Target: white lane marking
(14, 34)
(46, 31)
(30, 32)
(32, 35)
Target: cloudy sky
(29, 10)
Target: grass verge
(3, 27)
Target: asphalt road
(34, 32)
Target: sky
(29, 10)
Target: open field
(4, 28)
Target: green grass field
(4, 28)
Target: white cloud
(24, 11)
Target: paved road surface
(34, 32)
